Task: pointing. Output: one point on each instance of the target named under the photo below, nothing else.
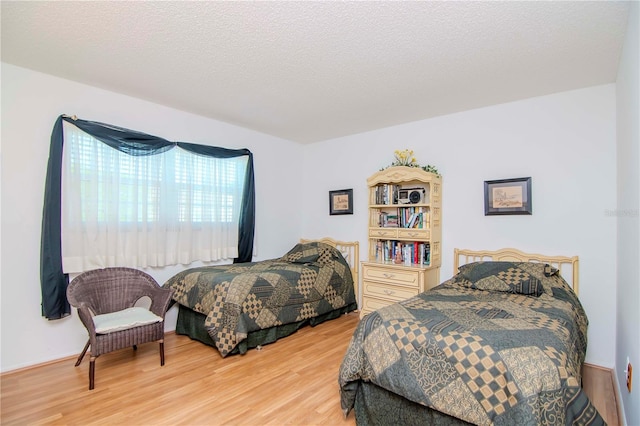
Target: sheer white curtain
(140, 211)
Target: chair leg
(161, 352)
(92, 372)
(84, 351)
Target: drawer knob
(388, 275)
(389, 292)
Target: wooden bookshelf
(405, 229)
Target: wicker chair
(107, 302)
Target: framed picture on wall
(507, 196)
(341, 201)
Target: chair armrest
(87, 319)
(160, 298)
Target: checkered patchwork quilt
(310, 280)
(491, 346)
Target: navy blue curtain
(52, 278)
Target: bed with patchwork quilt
(500, 343)
(240, 306)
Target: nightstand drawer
(370, 304)
(394, 276)
(388, 292)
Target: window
(92, 241)
(170, 207)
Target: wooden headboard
(568, 266)
(351, 252)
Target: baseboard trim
(53, 361)
(598, 367)
(617, 390)
(40, 364)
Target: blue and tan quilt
(310, 280)
(500, 343)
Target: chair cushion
(123, 320)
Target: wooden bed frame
(568, 266)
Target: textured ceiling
(310, 71)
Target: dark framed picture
(341, 201)
(507, 196)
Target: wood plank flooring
(291, 382)
(599, 386)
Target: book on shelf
(382, 219)
(379, 194)
(427, 254)
(406, 255)
(392, 221)
(387, 250)
(408, 219)
(411, 217)
(379, 255)
(394, 194)
(411, 253)
(414, 220)
(386, 194)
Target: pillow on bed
(313, 252)
(511, 277)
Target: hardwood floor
(274, 386)
(599, 386)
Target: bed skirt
(377, 406)
(191, 323)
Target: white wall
(565, 142)
(31, 102)
(628, 216)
